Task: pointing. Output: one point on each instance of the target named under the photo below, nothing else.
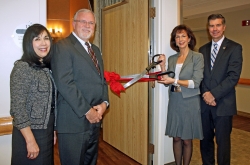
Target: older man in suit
(77, 68)
(222, 69)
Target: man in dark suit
(83, 96)
(222, 69)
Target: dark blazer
(222, 79)
(78, 82)
(192, 69)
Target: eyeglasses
(83, 22)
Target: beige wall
(236, 32)
(60, 14)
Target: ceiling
(200, 8)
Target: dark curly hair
(29, 54)
(190, 34)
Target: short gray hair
(83, 11)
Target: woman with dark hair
(33, 96)
(184, 113)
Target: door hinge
(151, 148)
(152, 12)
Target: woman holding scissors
(184, 115)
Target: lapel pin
(224, 47)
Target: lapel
(207, 57)
(175, 57)
(81, 50)
(220, 54)
(188, 58)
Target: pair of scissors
(151, 66)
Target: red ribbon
(114, 80)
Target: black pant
(79, 148)
(221, 128)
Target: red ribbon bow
(113, 79)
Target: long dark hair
(190, 34)
(29, 54)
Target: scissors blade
(134, 80)
(132, 76)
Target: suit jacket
(79, 84)
(192, 69)
(222, 79)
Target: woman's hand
(166, 80)
(163, 63)
(32, 147)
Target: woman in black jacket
(33, 96)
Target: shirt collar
(219, 42)
(81, 41)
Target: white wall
(167, 17)
(5, 150)
(14, 14)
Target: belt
(175, 88)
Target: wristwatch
(176, 82)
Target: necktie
(93, 57)
(214, 54)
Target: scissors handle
(154, 63)
(169, 73)
(153, 58)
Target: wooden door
(125, 51)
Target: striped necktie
(213, 55)
(93, 57)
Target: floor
(108, 155)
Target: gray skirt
(184, 117)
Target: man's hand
(93, 116)
(213, 103)
(55, 137)
(209, 98)
(101, 108)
